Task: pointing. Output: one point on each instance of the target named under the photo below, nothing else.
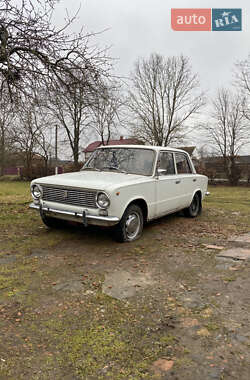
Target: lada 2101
(124, 187)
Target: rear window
(182, 164)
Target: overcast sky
(136, 28)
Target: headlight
(36, 191)
(102, 200)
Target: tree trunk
(46, 166)
(76, 158)
(29, 165)
(2, 154)
(232, 171)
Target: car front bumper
(76, 216)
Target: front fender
(133, 200)
(123, 197)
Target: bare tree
(228, 131)
(242, 83)
(32, 132)
(105, 111)
(25, 136)
(32, 49)
(7, 116)
(163, 98)
(71, 109)
(242, 75)
(45, 145)
(43, 123)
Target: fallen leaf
(162, 365)
(214, 247)
(189, 322)
(203, 332)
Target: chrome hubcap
(133, 224)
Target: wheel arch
(199, 192)
(142, 204)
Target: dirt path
(169, 306)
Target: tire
(195, 207)
(52, 222)
(131, 225)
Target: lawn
(57, 323)
(14, 191)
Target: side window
(166, 164)
(182, 164)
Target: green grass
(9, 178)
(229, 198)
(21, 228)
(14, 192)
(230, 206)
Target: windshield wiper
(91, 168)
(114, 168)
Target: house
(188, 149)
(94, 145)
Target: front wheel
(131, 225)
(195, 207)
(52, 222)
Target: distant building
(94, 145)
(188, 149)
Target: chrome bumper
(77, 217)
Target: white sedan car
(122, 186)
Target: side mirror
(161, 171)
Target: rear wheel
(131, 225)
(195, 207)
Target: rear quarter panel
(200, 185)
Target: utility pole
(56, 167)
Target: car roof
(152, 147)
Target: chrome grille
(83, 198)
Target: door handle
(179, 181)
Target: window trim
(173, 155)
(154, 166)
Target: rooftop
(96, 144)
(152, 147)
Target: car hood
(92, 180)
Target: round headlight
(36, 191)
(102, 200)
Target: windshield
(124, 160)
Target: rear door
(167, 185)
(186, 177)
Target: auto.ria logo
(206, 19)
(226, 19)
